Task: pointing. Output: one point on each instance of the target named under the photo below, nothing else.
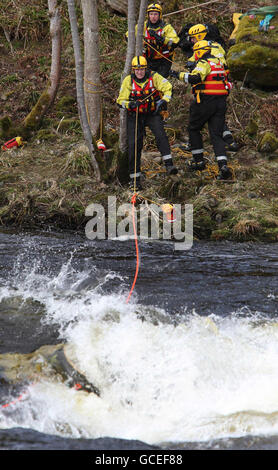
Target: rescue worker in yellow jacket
(199, 32)
(160, 40)
(144, 94)
(210, 88)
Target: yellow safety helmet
(139, 62)
(200, 48)
(155, 7)
(198, 31)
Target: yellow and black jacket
(216, 51)
(153, 50)
(151, 89)
(209, 77)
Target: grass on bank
(50, 180)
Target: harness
(162, 50)
(148, 94)
(215, 83)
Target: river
(190, 362)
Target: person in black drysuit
(186, 44)
(210, 89)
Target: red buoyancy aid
(216, 82)
(148, 94)
(155, 51)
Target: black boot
(224, 173)
(232, 147)
(196, 166)
(186, 147)
(171, 170)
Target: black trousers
(155, 123)
(211, 110)
(162, 66)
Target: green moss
(46, 135)
(67, 104)
(78, 164)
(203, 226)
(248, 28)
(268, 143)
(254, 63)
(5, 124)
(270, 235)
(220, 234)
(71, 185)
(252, 127)
(72, 124)
(269, 222)
(33, 120)
(254, 57)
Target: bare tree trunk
(79, 86)
(55, 33)
(140, 27)
(129, 56)
(92, 64)
(47, 98)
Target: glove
(186, 45)
(133, 104)
(174, 74)
(190, 65)
(175, 44)
(159, 39)
(159, 105)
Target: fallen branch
(193, 6)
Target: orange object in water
(169, 210)
(15, 142)
(101, 145)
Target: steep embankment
(50, 182)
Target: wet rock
(51, 362)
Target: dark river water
(190, 362)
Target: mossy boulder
(254, 57)
(268, 143)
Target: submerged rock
(51, 362)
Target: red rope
(133, 200)
(19, 398)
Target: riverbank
(43, 185)
(49, 182)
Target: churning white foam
(199, 379)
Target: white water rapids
(204, 378)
